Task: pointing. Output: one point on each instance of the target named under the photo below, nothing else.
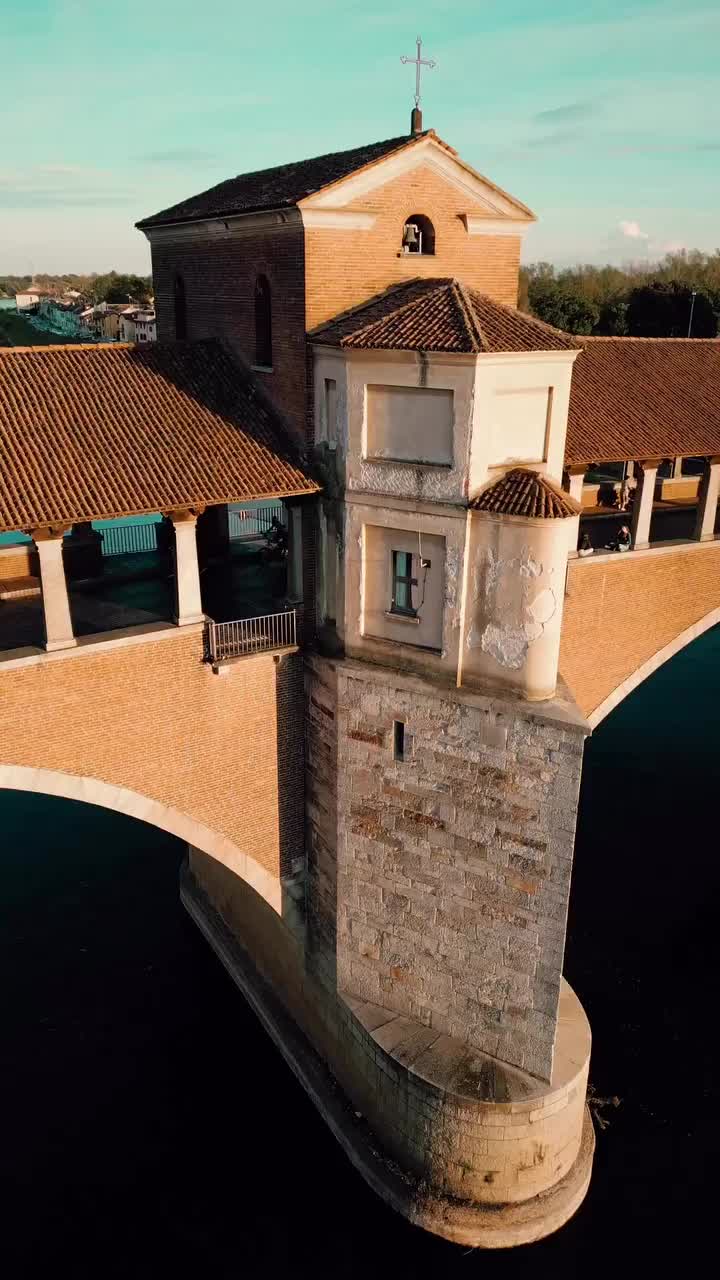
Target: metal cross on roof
(419, 62)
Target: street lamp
(692, 308)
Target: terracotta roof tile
(521, 492)
(282, 186)
(634, 398)
(88, 432)
(440, 314)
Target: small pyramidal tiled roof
(522, 492)
(280, 187)
(635, 398)
(439, 314)
(97, 431)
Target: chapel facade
(372, 294)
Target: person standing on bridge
(625, 494)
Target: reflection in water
(150, 1128)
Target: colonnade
(646, 471)
(53, 579)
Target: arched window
(180, 303)
(263, 323)
(418, 235)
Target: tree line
(113, 286)
(639, 300)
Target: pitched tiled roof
(440, 315)
(114, 430)
(276, 188)
(521, 492)
(635, 398)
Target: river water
(151, 1130)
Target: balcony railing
(252, 635)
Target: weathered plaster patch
(435, 484)
(452, 577)
(515, 619)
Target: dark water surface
(149, 1128)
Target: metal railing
(252, 635)
(129, 539)
(253, 523)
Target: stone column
(677, 468)
(708, 501)
(56, 603)
(643, 504)
(188, 602)
(573, 481)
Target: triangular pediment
(430, 153)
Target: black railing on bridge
(134, 538)
(129, 539)
(252, 635)
(254, 523)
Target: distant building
(145, 326)
(137, 325)
(127, 325)
(108, 317)
(30, 299)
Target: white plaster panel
(409, 424)
(513, 392)
(519, 425)
(416, 370)
(330, 365)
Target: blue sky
(602, 115)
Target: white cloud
(632, 230)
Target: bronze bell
(410, 238)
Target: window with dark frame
(263, 323)
(402, 584)
(180, 304)
(398, 739)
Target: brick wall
(344, 268)
(220, 291)
(620, 612)
(452, 866)
(317, 273)
(18, 562)
(152, 717)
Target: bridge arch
(626, 615)
(647, 668)
(106, 795)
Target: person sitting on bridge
(586, 548)
(276, 540)
(623, 542)
(278, 532)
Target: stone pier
(422, 970)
